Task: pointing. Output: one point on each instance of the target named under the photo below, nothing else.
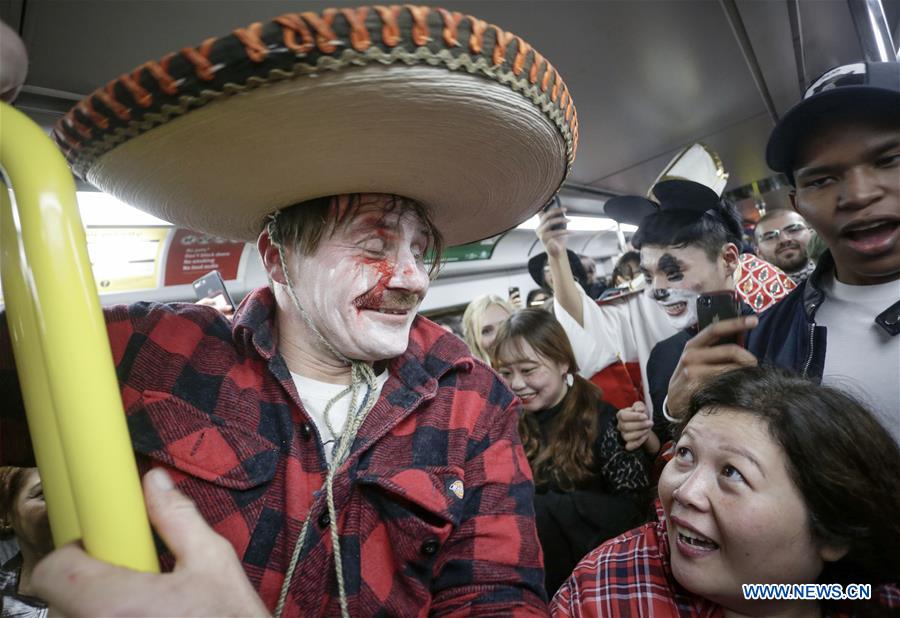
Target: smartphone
(554, 203)
(511, 291)
(715, 307)
(211, 285)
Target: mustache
(387, 299)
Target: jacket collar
(813, 295)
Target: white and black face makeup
(675, 276)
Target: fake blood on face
(374, 298)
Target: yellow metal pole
(73, 338)
(35, 387)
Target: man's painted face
(363, 285)
(848, 189)
(782, 240)
(676, 276)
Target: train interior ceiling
(648, 78)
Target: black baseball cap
(849, 86)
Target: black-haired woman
(588, 487)
(775, 480)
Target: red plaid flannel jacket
(630, 576)
(435, 501)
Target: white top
(860, 357)
(625, 329)
(315, 396)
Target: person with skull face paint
(689, 247)
(329, 452)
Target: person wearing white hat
(356, 458)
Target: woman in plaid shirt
(774, 480)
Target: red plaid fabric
(435, 501)
(630, 576)
(761, 284)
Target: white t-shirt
(860, 357)
(315, 396)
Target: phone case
(211, 285)
(715, 307)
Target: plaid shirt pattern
(630, 576)
(434, 503)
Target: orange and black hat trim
(302, 44)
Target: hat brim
(482, 140)
(629, 208)
(536, 268)
(800, 119)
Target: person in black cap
(689, 246)
(539, 269)
(840, 148)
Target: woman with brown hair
(23, 513)
(588, 488)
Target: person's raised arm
(553, 234)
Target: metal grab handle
(63, 356)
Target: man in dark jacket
(840, 147)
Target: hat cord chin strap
(275, 237)
(361, 373)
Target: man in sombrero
(355, 457)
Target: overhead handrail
(63, 356)
(872, 30)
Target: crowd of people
(326, 450)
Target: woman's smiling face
(538, 381)
(734, 514)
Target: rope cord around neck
(275, 237)
(361, 374)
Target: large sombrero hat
(465, 118)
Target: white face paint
(680, 306)
(676, 276)
(363, 285)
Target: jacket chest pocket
(169, 430)
(415, 511)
